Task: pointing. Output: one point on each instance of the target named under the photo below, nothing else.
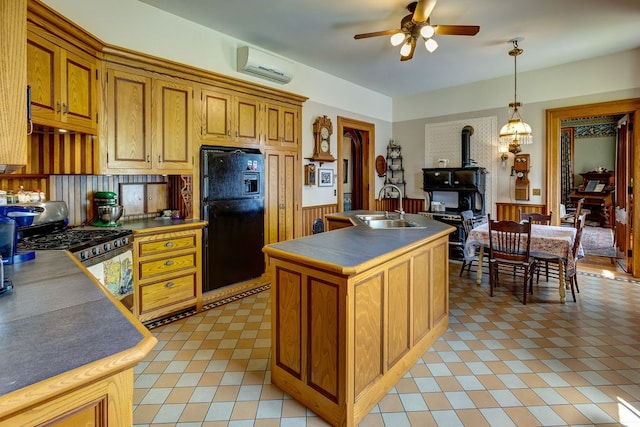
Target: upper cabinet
(282, 125)
(13, 85)
(63, 83)
(228, 117)
(148, 123)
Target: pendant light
(516, 131)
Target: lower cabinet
(340, 342)
(168, 271)
(103, 403)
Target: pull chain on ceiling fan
(417, 25)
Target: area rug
(598, 241)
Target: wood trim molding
(553, 122)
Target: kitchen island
(68, 347)
(354, 309)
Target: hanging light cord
(515, 52)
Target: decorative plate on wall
(381, 166)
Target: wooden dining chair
(467, 226)
(573, 216)
(536, 218)
(553, 270)
(509, 243)
(540, 219)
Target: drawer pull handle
(169, 284)
(169, 262)
(168, 245)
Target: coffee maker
(9, 236)
(108, 212)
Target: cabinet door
(13, 78)
(63, 85)
(281, 125)
(281, 213)
(246, 119)
(172, 113)
(78, 90)
(43, 65)
(216, 115)
(129, 120)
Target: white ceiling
(320, 34)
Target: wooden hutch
(598, 191)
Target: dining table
(548, 242)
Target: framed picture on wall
(325, 177)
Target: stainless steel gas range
(106, 252)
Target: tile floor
(500, 363)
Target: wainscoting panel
(409, 205)
(511, 211)
(310, 213)
(55, 153)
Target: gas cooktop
(72, 239)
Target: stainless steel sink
(370, 217)
(392, 223)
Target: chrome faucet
(401, 210)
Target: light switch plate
(535, 191)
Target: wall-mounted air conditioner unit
(263, 65)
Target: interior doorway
(554, 118)
(356, 148)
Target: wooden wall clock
(322, 130)
(521, 169)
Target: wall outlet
(536, 191)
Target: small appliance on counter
(12, 218)
(108, 211)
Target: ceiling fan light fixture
(431, 45)
(398, 38)
(405, 50)
(427, 31)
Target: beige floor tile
(472, 417)
(244, 410)
(144, 414)
(194, 412)
(521, 416)
(436, 401)
(391, 403)
(226, 393)
(179, 395)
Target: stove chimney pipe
(467, 131)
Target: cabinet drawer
(166, 265)
(167, 292)
(182, 242)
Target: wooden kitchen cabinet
(282, 125)
(13, 85)
(148, 124)
(168, 273)
(63, 83)
(283, 188)
(228, 117)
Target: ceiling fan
(417, 24)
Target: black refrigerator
(232, 185)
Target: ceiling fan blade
(456, 30)
(423, 10)
(376, 34)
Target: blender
(9, 225)
(108, 211)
